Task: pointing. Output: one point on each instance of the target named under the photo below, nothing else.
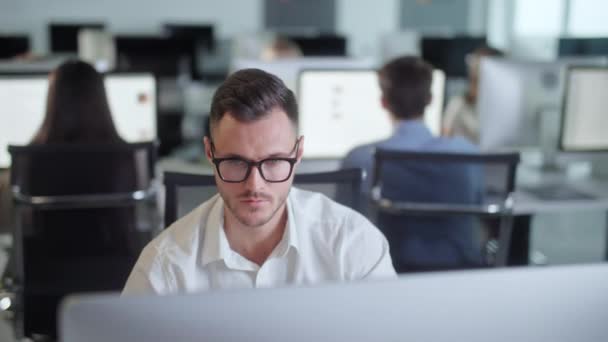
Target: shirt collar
(290, 237)
(216, 246)
(415, 127)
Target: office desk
(526, 203)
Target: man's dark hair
(406, 86)
(251, 94)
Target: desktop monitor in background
(324, 45)
(341, 109)
(162, 56)
(132, 99)
(202, 34)
(519, 102)
(11, 46)
(557, 304)
(288, 69)
(63, 37)
(199, 37)
(583, 47)
(585, 110)
(449, 54)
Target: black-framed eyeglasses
(237, 170)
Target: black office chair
(79, 227)
(183, 191)
(431, 207)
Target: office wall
(300, 15)
(441, 16)
(132, 16)
(587, 18)
(364, 22)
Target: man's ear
(300, 151)
(207, 143)
(384, 103)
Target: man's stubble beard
(232, 208)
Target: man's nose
(255, 180)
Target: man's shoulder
(359, 156)
(314, 210)
(186, 233)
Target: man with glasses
(259, 231)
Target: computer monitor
(162, 56)
(341, 109)
(132, 99)
(199, 37)
(288, 69)
(558, 304)
(63, 37)
(449, 53)
(324, 45)
(11, 46)
(584, 118)
(202, 34)
(519, 101)
(583, 47)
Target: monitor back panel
(567, 303)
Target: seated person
(280, 47)
(259, 231)
(460, 117)
(91, 248)
(77, 111)
(405, 84)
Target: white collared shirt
(323, 241)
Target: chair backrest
(476, 183)
(78, 225)
(428, 204)
(183, 191)
(81, 173)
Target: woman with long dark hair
(92, 246)
(77, 109)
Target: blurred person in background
(460, 117)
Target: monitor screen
(584, 118)
(63, 37)
(132, 99)
(202, 34)
(322, 45)
(161, 56)
(11, 46)
(288, 69)
(341, 109)
(449, 54)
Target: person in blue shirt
(421, 243)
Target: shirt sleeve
(147, 276)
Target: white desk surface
(577, 179)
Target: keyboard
(557, 192)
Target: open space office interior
(303, 170)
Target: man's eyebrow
(279, 155)
(270, 156)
